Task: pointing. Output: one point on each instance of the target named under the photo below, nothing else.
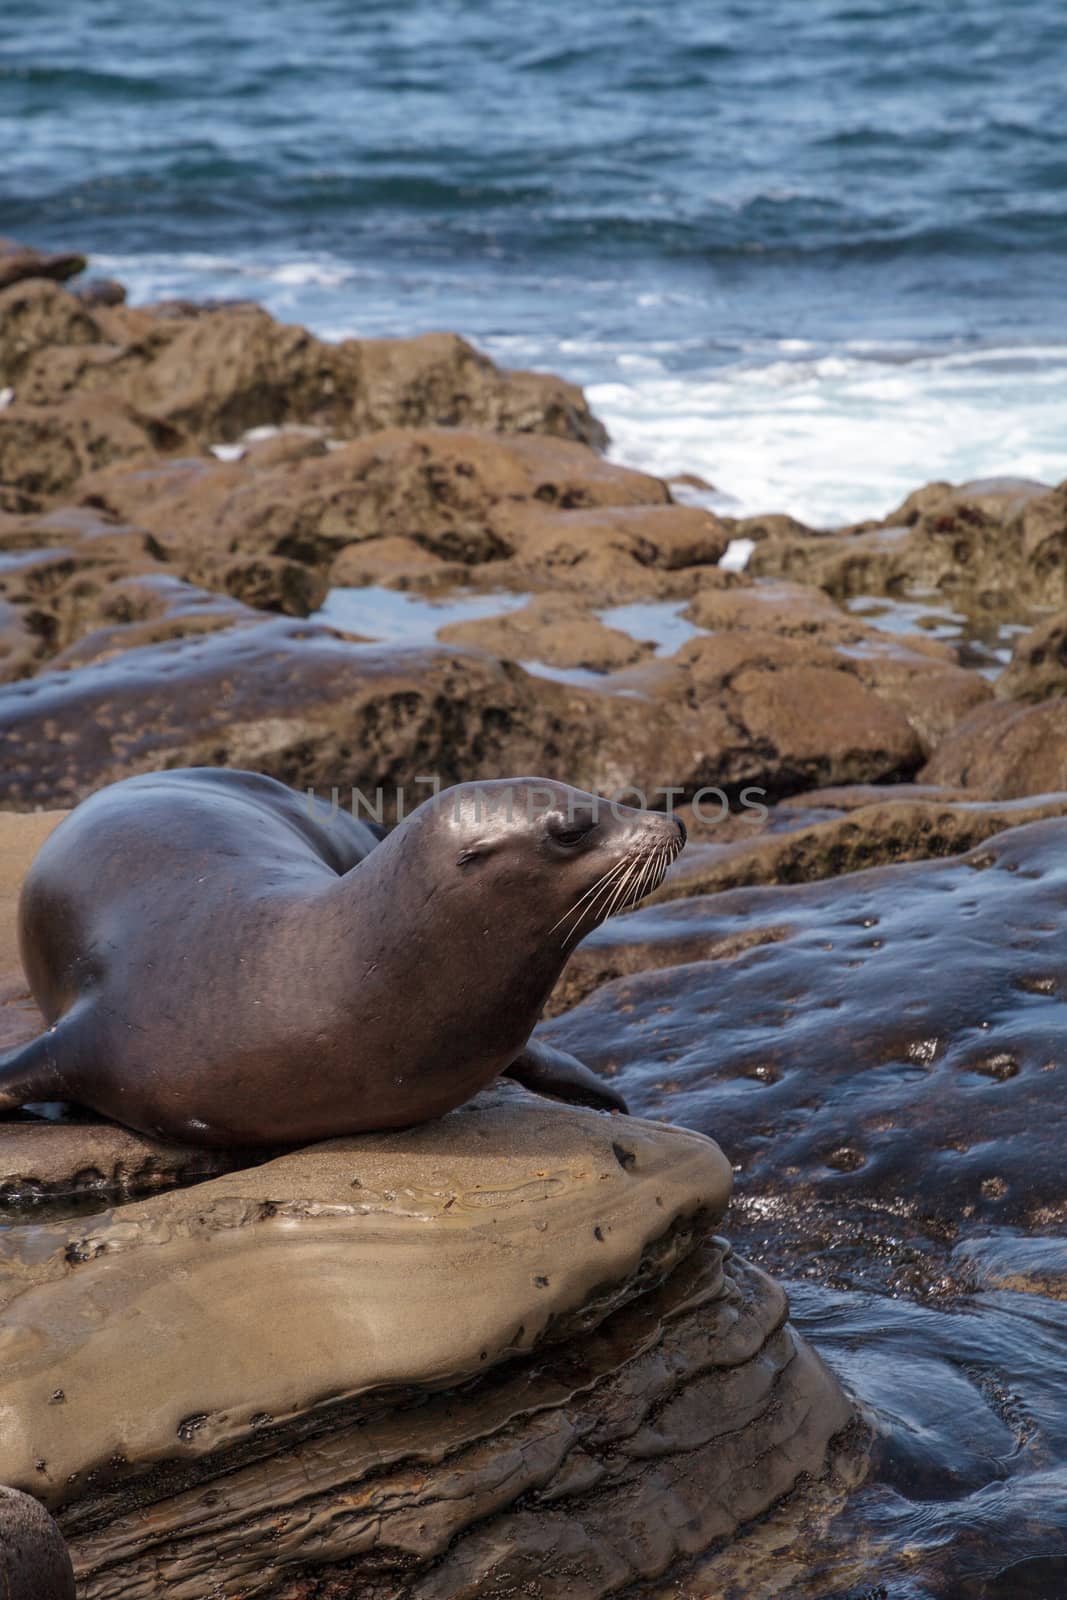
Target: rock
(445, 489)
(19, 262)
(1038, 666)
(302, 702)
(34, 1564)
(35, 316)
(149, 609)
(771, 712)
(439, 380)
(1005, 751)
(991, 546)
(557, 630)
(101, 292)
(830, 832)
(505, 1331)
(919, 676)
(271, 583)
(44, 450)
(395, 563)
(21, 647)
(891, 1037)
(42, 1159)
(373, 1229)
(215, 374)
(629, 546)
(59, 573)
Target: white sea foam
(839, 437)
(737, 555)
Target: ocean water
(810, 249)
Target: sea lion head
(561, 859)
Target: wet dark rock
(828, 832)
(305, 703)
(294, 700)
(893, 1014)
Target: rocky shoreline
(856, 987)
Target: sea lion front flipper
(33, 1072)
(546, 1070)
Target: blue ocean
(813, 250)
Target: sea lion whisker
(606, 897)
(654, 874)
(619, 897)
(590, 891)
(647, 877)
(579, 912)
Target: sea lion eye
(570, 831)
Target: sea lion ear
(473, 852)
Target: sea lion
(223, 962)
(34, 1563)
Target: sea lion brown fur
(223, 962)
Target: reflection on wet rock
(896, 1034)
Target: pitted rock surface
(896, 1035)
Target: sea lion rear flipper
(31, 1072)
(546, 1070)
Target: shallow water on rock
(395, 616)
(660, 621)
(983, 642)
(399, 617)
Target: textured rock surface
(1038, 666)
(996, 543)
(827, 832)
(504, 1333)
(895, 1035)
(372, 1236)
(676, 1419)
(305, 704)
(1005, 750)
(209, 375)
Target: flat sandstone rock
(498, 1352)
(416, 1259)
